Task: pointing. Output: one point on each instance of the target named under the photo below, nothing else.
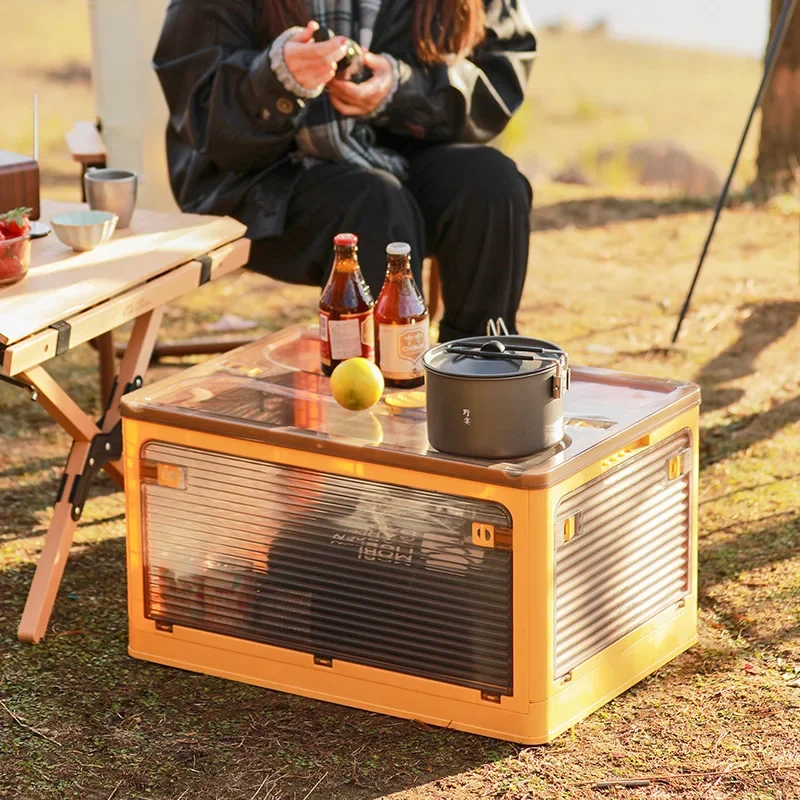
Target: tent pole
(770, 61)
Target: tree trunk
(779, 148)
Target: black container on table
(495, 397)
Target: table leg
(66, 412)
(79, 469)
(53, 558)
(135, 361)
(138, 355)
(108, 363)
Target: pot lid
(494, 357)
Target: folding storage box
(276, 539)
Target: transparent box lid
(273, 391)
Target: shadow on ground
(766, 323)
(757, 546)
(22, 505)
(153, 728)
(748, 576)
(598, 212)
(722, 441)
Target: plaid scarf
(326, 134)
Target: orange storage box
(276, 539)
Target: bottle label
(402, 348)
(368, 333)
(349, 336)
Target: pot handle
(496, 327)
(561, 380)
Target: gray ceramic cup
(112, 190)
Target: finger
(333, 50)
(301, 61)
(338, 87)
(313, 54)
(374, 61)
(365, 95)
(315, 75)
(350, 92)
(350, 106)
(307, 34)
(379, 65)
(321, 76)
(346, 108)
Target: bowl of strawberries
(15, 245)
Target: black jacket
(232, 124)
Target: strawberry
(9, 267)
(15, 223)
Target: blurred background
(719, 25)
(623, 94)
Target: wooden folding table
(69, 298)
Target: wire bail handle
(496, 327)
(561, 380)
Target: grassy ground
(80, 719)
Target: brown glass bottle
(346, 326)
(401, 322)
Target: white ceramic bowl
(84, 230)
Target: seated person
(262, 129)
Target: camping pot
(495, 397)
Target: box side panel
(623, 665)
(345, 684)
(145, 637)
(622, 546)
(560, 700)
(131, 433)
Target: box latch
(569, 529)
(170, 476)
(679, 465)
(485, 534)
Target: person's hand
(360, 99)
(313, 64)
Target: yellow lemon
(356, 384)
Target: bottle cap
(398, 249)
(345, 240)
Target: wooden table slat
(62, 282)
(118, 310)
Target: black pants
(465, 204)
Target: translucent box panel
(622, 551)
(334, 566)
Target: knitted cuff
(390, 96)
(283, 73)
